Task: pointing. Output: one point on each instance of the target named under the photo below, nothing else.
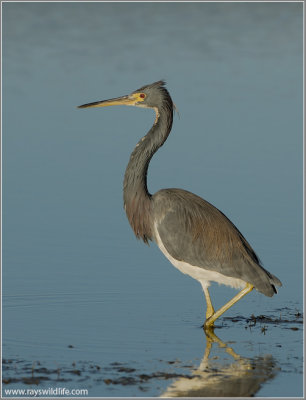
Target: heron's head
(154, 96)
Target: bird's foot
(210, 313)
(208, 325)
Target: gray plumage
(187, 228)
(203, 236)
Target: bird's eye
(142, 95)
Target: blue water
(73, 273)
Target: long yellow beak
(129, 100)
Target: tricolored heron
(194, 235)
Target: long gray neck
(135, 191)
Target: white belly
(204, 276)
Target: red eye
(142, 95)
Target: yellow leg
(210, 309)
(210, 321)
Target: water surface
(80, 293)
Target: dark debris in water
(142, 378)
(20, 371)
(285, 320)
(116, 373)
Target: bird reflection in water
(241, 378)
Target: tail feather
(270, 283)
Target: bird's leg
(210, 309)
(210, 321)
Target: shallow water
(84, 304)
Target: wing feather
(194, 231)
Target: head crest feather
(158, 84)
